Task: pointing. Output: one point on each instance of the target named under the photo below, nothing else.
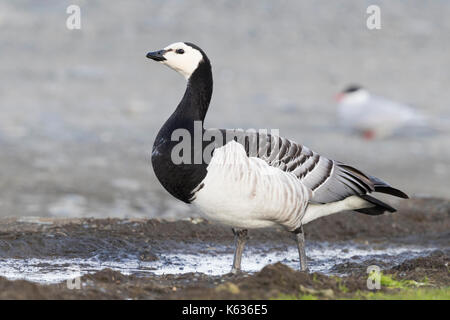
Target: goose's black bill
(157, 55)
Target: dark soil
(418, 221)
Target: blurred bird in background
(375, 117)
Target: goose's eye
(179, 51)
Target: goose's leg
(300, 236)
(240, 237)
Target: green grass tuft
(388, 281)
(283, 296)
(410, 294)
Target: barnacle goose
(253, 180)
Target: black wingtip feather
(379, 208)
(384, 187)
(375, 211)
(392, 191)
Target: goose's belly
(251, 194)
(232, 209)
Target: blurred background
(79, 109)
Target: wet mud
(48, 258)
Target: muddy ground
(423, 221)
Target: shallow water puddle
(209, 260)
(321, 258)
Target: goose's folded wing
(328, 180)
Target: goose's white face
(180, 57)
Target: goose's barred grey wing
(328, 180)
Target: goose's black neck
(196, 99)
(180, 179)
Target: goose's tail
(380, 206)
